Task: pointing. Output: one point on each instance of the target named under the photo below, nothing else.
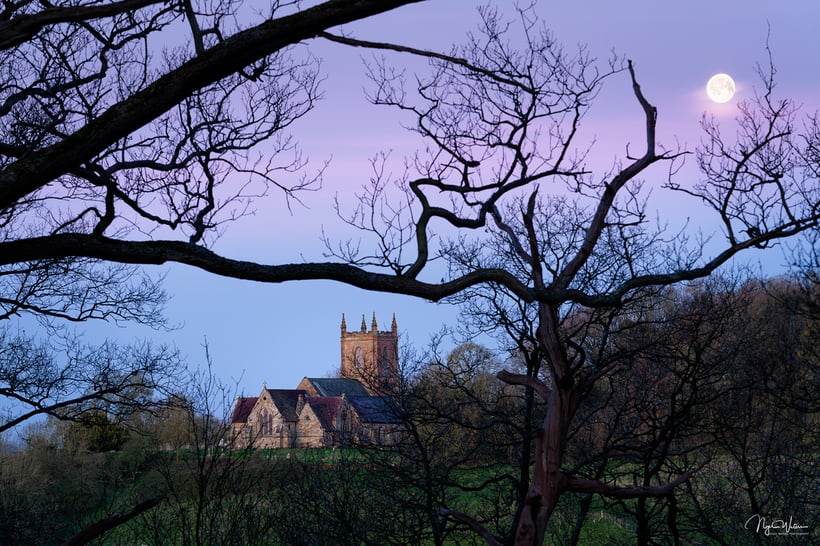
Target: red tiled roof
(242, 409)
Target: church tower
(371, 356)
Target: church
(356, 408)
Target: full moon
(721, 88)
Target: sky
(279, 333)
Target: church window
(265, 424)
(385, 363)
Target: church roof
(285, 401)
(327, 386)
(375, 409)
(242, 409)
(326, 408)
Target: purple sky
(280, 333)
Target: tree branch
(528, 381)
(579, 485)
(161, 252)
(104, 525)
(450, 59)
(472, 524)
(41, 167)
(611, 189)
(20, 29)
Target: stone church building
(358, 407)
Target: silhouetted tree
(501, 126)
(211, 493)
(60, 487)
(455, 446)
(763, 422)
(69, 380)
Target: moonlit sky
(280, 333)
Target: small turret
(394, 328)
(364, 325)
(373, 326)
(344, 325)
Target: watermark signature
(775, 526)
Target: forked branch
(579, 485)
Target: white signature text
(775, 526)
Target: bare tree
(764, 419)
(136, 144)
(109, 154)
(457, 422)
(69, 380)
(211, 493)
(101, 141)
(501, 125)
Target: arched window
(384, 367)
(265, 424)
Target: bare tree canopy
(67, 379)
(152, 154)
(103, 144)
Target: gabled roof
(326, 409)
(285, 401)
(242, 409)
(375, 409)
(331, 386)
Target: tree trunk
(546, 486)
(642, 520)
(583, 510)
